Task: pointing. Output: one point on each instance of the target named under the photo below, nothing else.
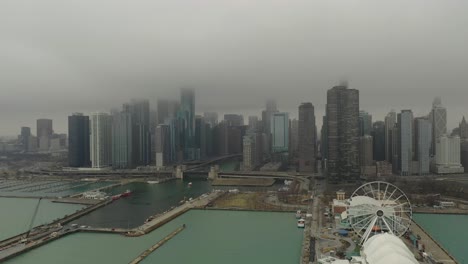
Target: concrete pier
(147, 252)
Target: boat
(126, 193)
(152, 182)
(190, 184)
(301, 223)
(115, 197)
(298, 214)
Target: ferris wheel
(379, 207)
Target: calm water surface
(16, 214)
(211, 237)
(449, 230)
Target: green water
(449, 230)
(16, 214)
(211, 237)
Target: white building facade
(448, 155)
(100, 140)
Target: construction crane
(32, 221)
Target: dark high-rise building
(390, 121)
(44, 133)
(254, 124)
(186, 115)
(44, 128)
(307, 138)
(378, 134)
(365, 123)
(463, 129)
(406, 146)
(366, 152)
(25, 137)
(324, 138)
(234, 120)
(78, 141)
(163, 145)
(343, 134)
(122, 138)
(162, 111)
(211, 118)
(140, 132)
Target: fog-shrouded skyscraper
(405, 125)
(343, 134)
(249, 152)
(365, 123)
(423, 131)
(162, 111)
(438, 117)
(140, 132)
(267, 115)
(294, 139)
(101, 140)
(78, 140)
(25, 138)
(44, 133)
(254, 124)
(186, 116)
(280, 132)
(366, 152)
(234, 120)
(390, 121)
(378, 134)
(307, 138)
(163, 145)
(211, 118)
(463, 129)
(122, 140)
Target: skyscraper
(25, 137)
(343, 133)
(448, 155)
(211, 118)
(140, 132)
(186, 115)
(294, 139)
(101, 140)
(365, 123)
(163, 146)
(249, 162)
(280, 132)
(378, 134)
(439, 121)
(390, 121)
(44, 133)
(78, 140)
(463, 129)
(366, 152)
(122, 140)
(254, 124)
(405, 125)
(307, 138)
(423, 130)
(162, 111)
(234, 120)
(267, 115)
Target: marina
(272, 238)
(48, 188)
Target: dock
(440, 255)
(242, 182)
(147, 252)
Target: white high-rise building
(100, 140)
(448, 155)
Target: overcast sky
(59, 56)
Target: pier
(147, 252)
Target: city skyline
(173, 45)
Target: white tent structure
(387, 249)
